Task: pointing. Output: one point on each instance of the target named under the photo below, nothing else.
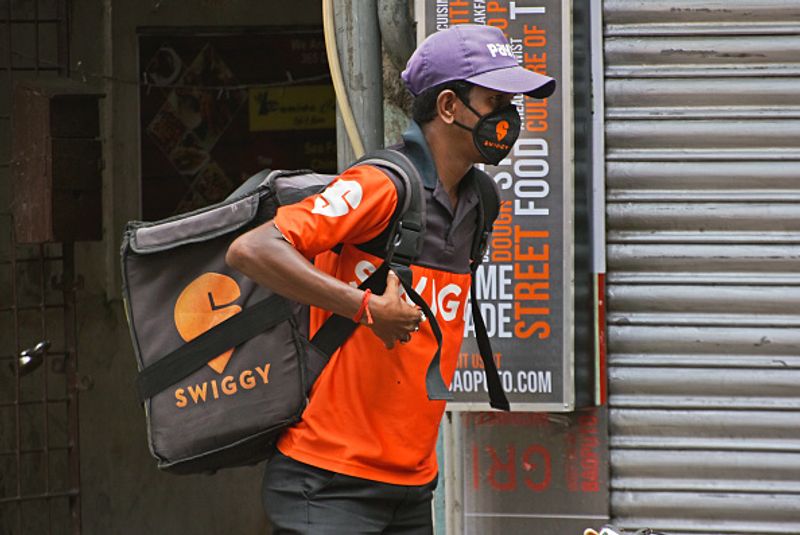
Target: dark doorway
(218, 105)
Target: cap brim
(516, 80)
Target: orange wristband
(364, 308)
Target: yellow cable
(328, 27)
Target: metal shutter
(703, 213)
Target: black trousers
(303, 499)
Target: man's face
(484, 101)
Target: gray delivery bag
(177, 288)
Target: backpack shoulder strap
(403, 240)
(488, 209)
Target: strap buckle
(406, 241)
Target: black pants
(303, 499)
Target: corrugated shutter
(703, 214)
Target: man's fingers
(392, 283)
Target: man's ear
(446, 106)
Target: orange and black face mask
(495, 133)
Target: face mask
(495, 133)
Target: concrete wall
(122, 491)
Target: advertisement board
(525, 284)
(534, 472)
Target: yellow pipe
(350, 126)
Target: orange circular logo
(206, 302)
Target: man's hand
(393, 318)
(264, 255)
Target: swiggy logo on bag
(205, 303)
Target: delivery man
(362, 459)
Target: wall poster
(525, 283)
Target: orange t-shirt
(369, 415)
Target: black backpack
(190, 314)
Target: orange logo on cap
(206, 302)
(501, 130)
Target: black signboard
(525, 283)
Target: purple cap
(478, 54)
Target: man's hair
(423, 110)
